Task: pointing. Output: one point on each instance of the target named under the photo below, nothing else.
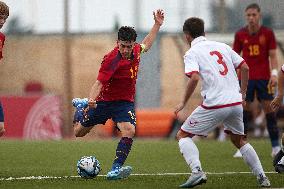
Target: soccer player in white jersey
(278, 161)
(215, 64)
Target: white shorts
(203, 121)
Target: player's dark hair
(4, 9)
(194, 27)
(126, 33)
(253, 6)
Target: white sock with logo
(190, 153)
(251, 158)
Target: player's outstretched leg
(191, 155)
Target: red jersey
(2, 40)
(255, 50)
(118, 75)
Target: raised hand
(159, 16)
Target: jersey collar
(198, 39)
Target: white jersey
(282, 68)
(216, 63)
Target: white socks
(190, 154)
(251, 158)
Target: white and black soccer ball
(88, 167)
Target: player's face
(252, 17)
(2, 20)
(125, 48)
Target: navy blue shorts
(260, 89)
(1, 113)
(118, 111)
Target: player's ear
(187, 37)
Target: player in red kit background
(257, 44)
(4, 14)
(112, 95)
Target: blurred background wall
(59, 44)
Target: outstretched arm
(94, 93)
(149, 39)
(190, 87)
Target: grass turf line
(58, 158)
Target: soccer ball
(88, 167)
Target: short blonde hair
(4, 9)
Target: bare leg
(81, 131)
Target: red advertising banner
(32, 117)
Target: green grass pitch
(19, 160)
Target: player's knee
(78, 131)
(128, 131)
(131, 131)
(178, 135)
(238, 140)
(181, 134)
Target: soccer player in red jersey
(112, 95)
(257, 44)
(4, 14)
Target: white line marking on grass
(136, 174)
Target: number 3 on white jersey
(220, 61)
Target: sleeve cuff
(190, 73)
(241, 64)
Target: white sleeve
(236, 58)
(191, 65)
(282, 68)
